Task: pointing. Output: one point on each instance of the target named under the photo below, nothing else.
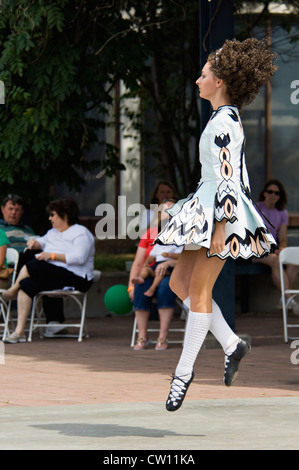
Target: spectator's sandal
(162, 344)
(141, 344)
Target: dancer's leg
(202, 279)
(222, 331)
(204, 274)
(197, 327)
(181, 274)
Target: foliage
(169, 120)
(112, 263)
(59, 62)
(57, 93)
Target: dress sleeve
(42, 241)
(226, 145)
(80, 251)
(285, 217)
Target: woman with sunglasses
(272, 204)
(66, 259)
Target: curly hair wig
(244, 67)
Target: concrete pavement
(231, 424)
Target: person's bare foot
(138, 280)
(150, 292)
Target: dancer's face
(207, 83)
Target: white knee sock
(220, 329)
(187, 302)
(197, 327)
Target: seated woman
(66, 259)
(272, 204)
(166, 299)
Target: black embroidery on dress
(234, 115)
(222, 140)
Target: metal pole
(268, 166)
(216, 25)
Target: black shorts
(47, 276)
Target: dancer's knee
(200, 301)
(178, 287)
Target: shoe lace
(178, 388)
(226, 361)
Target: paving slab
(238, 424)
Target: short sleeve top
(275, 216)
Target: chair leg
(36, 314)
(4, 314)
(32, 319)
(8, 319)
(134, 333)
(82, 318)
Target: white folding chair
(80, 298)
(185, 310)
(12, 259)
(289, 255)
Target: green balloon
(117, 300)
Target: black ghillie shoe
(178, 391)
(233, 360)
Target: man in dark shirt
(18, 234)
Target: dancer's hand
(218, 237)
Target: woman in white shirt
(66, 259)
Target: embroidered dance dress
(223, 192)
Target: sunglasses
(270, 191)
